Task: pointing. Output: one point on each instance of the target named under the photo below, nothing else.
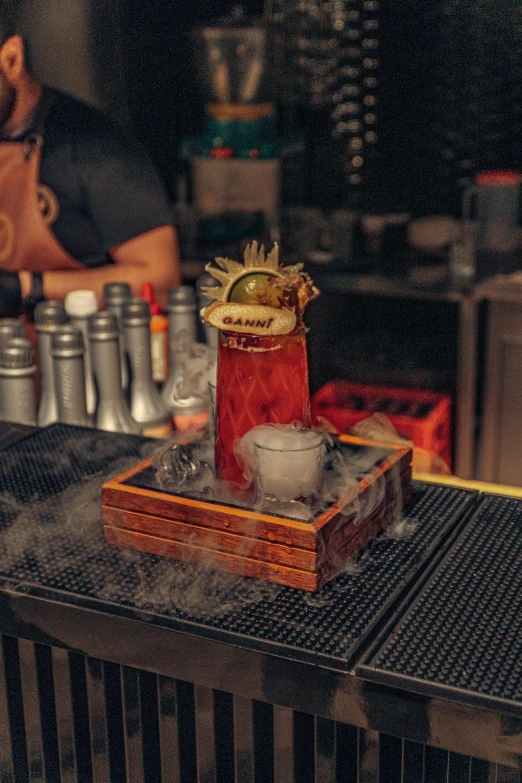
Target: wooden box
(299, 554)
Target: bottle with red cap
(158, 335)
(493, 202)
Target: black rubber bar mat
(12, 433)
(461, 637)
(52, 545)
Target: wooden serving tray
(299, 554)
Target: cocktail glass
(260, 380)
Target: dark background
(163, 96)
(450, 97)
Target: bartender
(79, 206)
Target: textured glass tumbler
(289, 473)
(261, 380)
(212, 393)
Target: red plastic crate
(421, 416)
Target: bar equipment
(493, 201)
(234, 163)
(67, 351)
(47, 315)
(79, 305)
(499, 457)
(112, 413)
(422, 417)
(146, 405)
(114, 297)
(17, 387)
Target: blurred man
(79, 206)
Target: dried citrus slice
(250, 319)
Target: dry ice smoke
(318, 468)
(55, 537)
(318, 471)
(51, 540)
(196, 366)
(343, 467)
(180, 468)
(379, 427)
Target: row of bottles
(96, 367)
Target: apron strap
(42, 110)
(35, 138)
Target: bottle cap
(49, 312)
(16, 354)
(11, 328)
(103, 326)
(222, 152)
(159, 323)
(116, 293)
(67, 341)
(181, 297)
(136, 312)
(147, 292)
(501, 177)
(80, 304)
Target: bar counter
(121, 666)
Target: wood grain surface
(291, 552)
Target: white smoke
(45, 540)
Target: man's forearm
(153, 257)
(56, 285)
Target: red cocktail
(260, 380)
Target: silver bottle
(207, 281)
(114, 297)
(47, 316)
(79, 306)
(146, 405)
(67, 351)
(11, 328)
(17, 388)
(112, 413)
(181, 309)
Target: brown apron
(27, 210)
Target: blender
(234, 162)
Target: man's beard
(7, 102)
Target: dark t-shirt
(107, 189)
